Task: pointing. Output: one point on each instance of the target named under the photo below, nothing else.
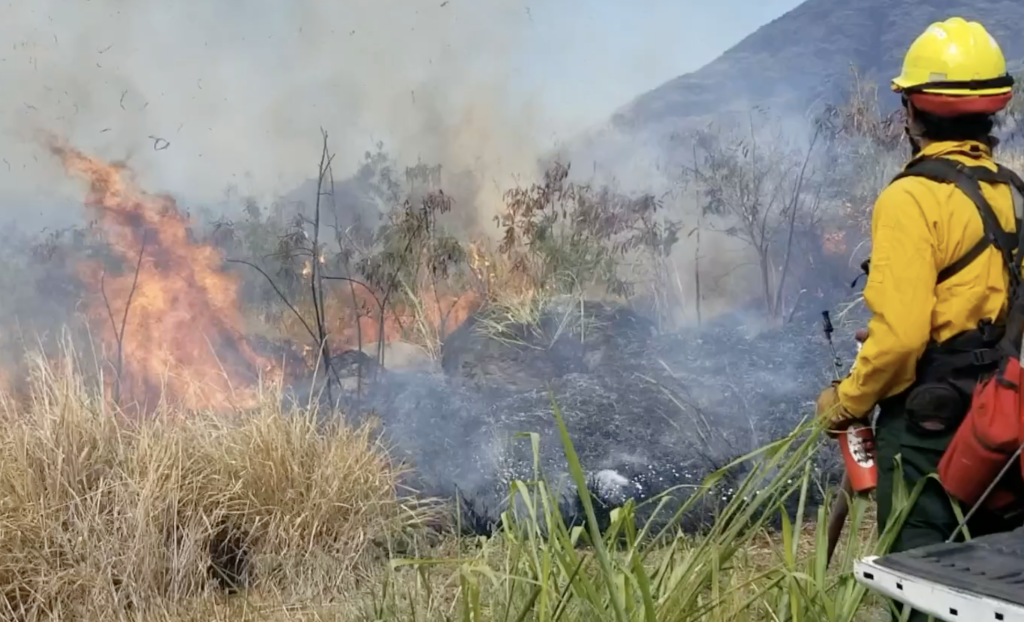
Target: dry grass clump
(104, 516)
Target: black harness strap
(967, 350)
(1017, 183)
(952, 355)
(967, 179)
(965, 260)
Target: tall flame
(171, 311)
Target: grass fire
(168, 317)
(451, 376)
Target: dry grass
(105, 517)
(102, 516)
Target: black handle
(828, 323)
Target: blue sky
(614, 50)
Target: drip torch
(859, 462)
(860, 474)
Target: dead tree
(316, 278)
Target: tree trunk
(766, 285)
(696, 274)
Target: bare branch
(316, 282)
(794, 202)
(119, 332)
(278, 291)
(351, 286)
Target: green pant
(931, 520)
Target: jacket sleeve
(900, 292)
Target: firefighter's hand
(861, 335)
(831, 412)
(869, 445)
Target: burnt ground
(646, 411)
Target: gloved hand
(831, 412)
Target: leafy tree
(759, 193)
(569, 237)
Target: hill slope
(801, 59)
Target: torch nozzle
(837, 363)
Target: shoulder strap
(1017, 193)
(1017, 185)
(967, 178)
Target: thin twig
(448, 313)
(316, 282)
(441, 316)
(284, 299)
(777, 308)
(119, 333)
(277, 291)
(110, 314)
(387, 295)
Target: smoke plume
(200, 96)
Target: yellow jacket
(919, 227)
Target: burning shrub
(345, 284)
(103, 514)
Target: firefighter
(931, 294)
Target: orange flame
(834, 243)
(439, 316)
(181, 334)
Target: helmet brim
(983, 88)
(899, 83)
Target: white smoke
(237, 91)
(199, 96)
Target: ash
(646, 412)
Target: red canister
(856, 444)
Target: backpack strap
(967, 179)
(1018, 209)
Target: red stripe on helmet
(958, 105)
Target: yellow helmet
(956, 59)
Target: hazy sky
(602, 53)
(240, 88)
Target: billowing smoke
(203, 97)
(199, 97)
(216, 103)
